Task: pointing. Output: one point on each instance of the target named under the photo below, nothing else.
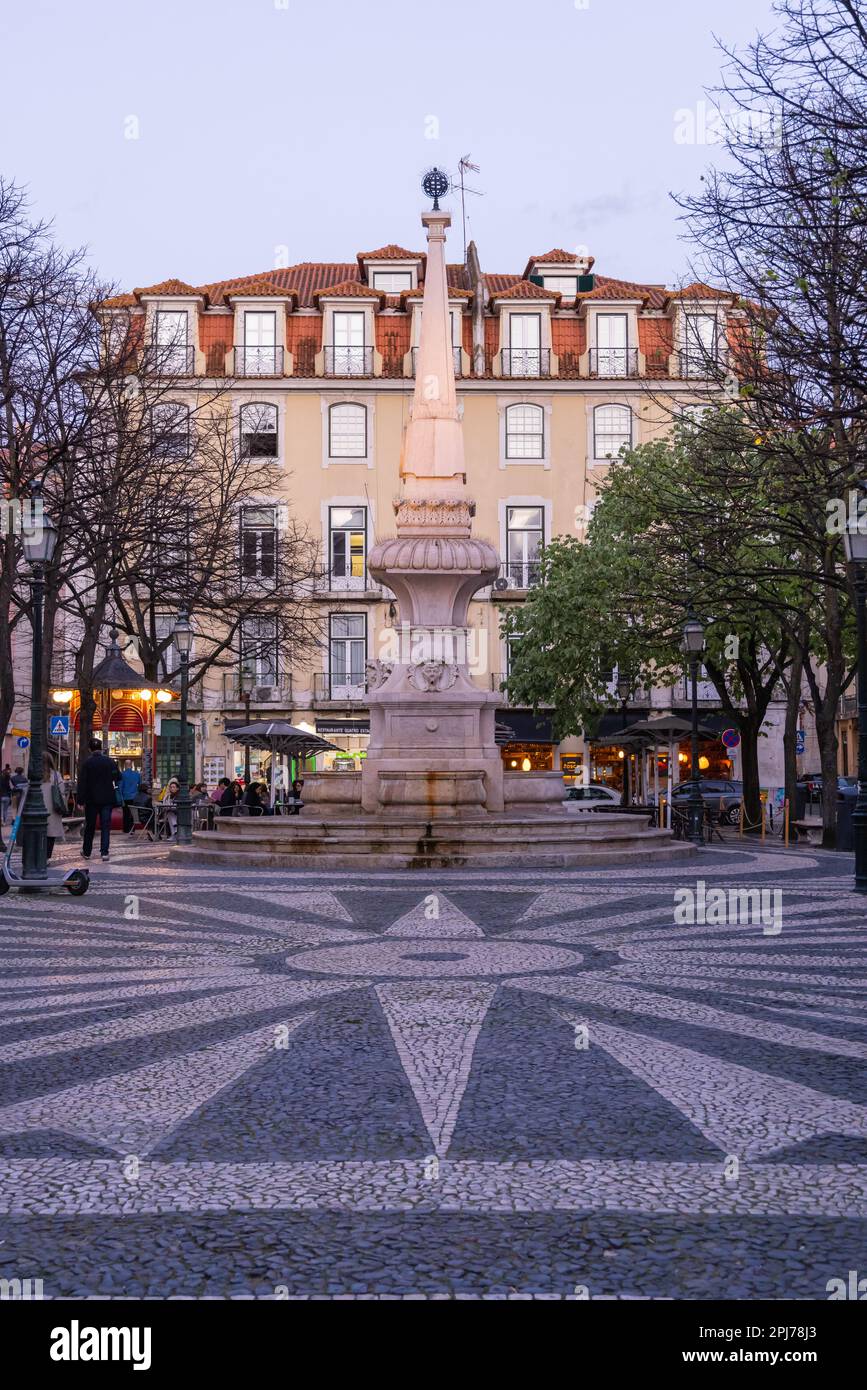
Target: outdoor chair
(143, 819)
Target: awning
(525, 726)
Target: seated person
(168, 797)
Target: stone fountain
(433, 791)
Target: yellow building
(558, 368)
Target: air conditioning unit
(501, 583)
(265, 694)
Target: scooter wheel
(78, 884)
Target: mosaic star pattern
(462, 1084)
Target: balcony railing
(614, 361)
(456, 358)
(258, 361)
(517, 576)
(337, 581)
(526, 362)
(269, 690)
(342, 688)
(174, 359)
(705, 366)
(348, 361)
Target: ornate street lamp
(183, 639)
(38, 546)
(692, 647)
(246, 682)
(624, 690)
(855, 544)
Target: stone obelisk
(432, 747)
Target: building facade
(558, 367)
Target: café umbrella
(664, 729)
(279, 738)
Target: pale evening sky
(306, 124)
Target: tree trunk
(790, 735)
(748, 726)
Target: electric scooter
(75, 881)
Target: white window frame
(259, 405)
(326, 400)
(525, 398)
(539, 413)
(345, 457)
(592, 431)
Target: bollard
(786, 822)
(741, 820)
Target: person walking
(54, 797)
(19, 783)
(130, 781)
(5, 794)
(97, 793)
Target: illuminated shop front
(351, 737)
(124, 717)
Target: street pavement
(463, 1084)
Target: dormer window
(392, 281)
(348, 355)
(523, 357)
(259, 354)
(171, 327)
(701, 344)
(567, 285)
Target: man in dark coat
(96, 793)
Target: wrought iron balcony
(517, 576)
(614, 361)
(335, 582)
(174, 359)
(348, 361)
(705, 366)
(529, 362)
(341, 688)
(258, 361)
(456, 357)
(269, 690)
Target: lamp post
(855, 543)
(624, 690)
(183, 639)
(693, 646)
(39, 549)
(247, 680)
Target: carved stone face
(432, 670)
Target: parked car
(719, 794)
(592, 794)
(811, 783)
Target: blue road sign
(800, 741)
(59, 725)
(23, 742)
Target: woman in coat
(51, 779)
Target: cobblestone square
(434, 1085)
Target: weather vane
(436, 185)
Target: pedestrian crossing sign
(59, 725)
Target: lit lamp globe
(526, 765)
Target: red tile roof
(168, 289)
(698, 290)
(260, 289)
(117, 301)
(523, 289)
(556, 257)
(348, 289)
(391, 253)
(454, 292)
